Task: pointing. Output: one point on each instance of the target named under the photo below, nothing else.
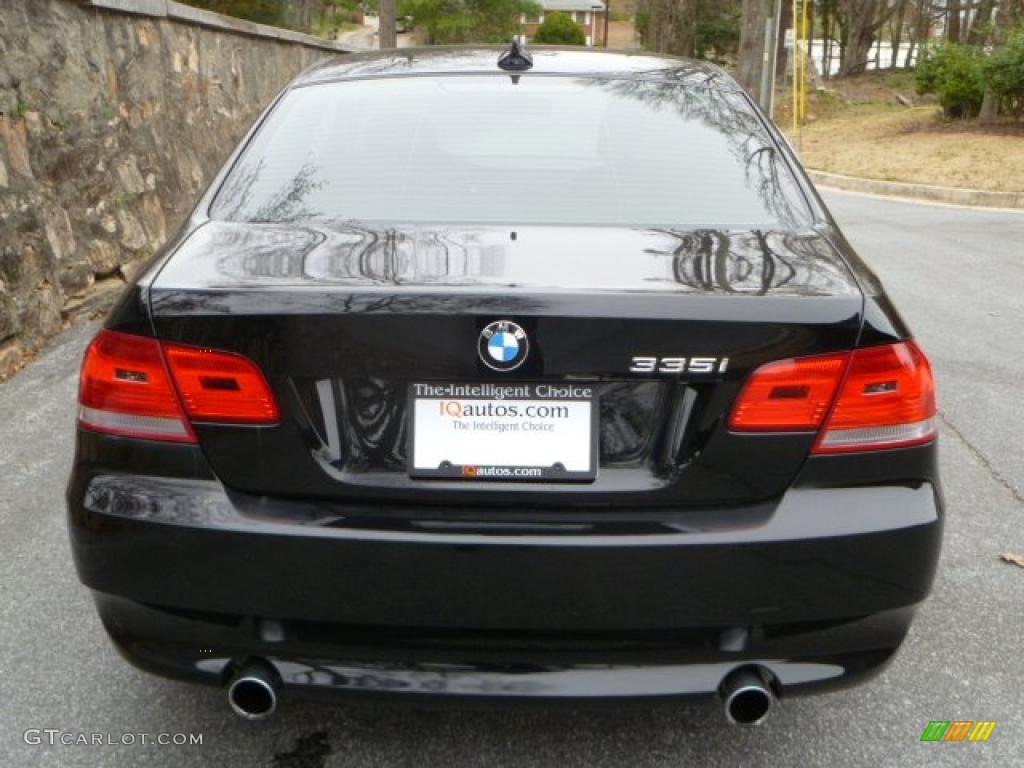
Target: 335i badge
(560, 384)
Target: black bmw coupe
(481, 375)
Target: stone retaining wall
(115, 115)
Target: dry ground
(857, 127)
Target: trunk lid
(342, 319)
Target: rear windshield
(489, 149)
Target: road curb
(954, 195)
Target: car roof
(476, 60)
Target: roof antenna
(515, 59)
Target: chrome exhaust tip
(747, 695)
(252, 693)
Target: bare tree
(388, 34)
(981, 22)
(827, 32)
(1009, 13)
(922, 16)
(953, 15)
(752, 45)
(861, 20)
(306, 15)
(671, 26)
(896, 33)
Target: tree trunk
(684, 28)
(653, 36)
(897, 35)
(953, 21)
(920, 29)
(982, 24)
(1010, 14)
(826, 41)
(653, 16)
(811, 71)
(751, 53)
(989, 108)
(863, 19)
(672, 26)
(388, 36)
(306, 15)
(781, 54)
(860, 36)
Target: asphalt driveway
(958, 276)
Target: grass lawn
(857, 127)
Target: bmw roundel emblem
(503, 346)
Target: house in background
(590, 15)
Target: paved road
(959, 277)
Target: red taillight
(125, 390)
(877, 397)
(789, 395)
(887, 400)
(221, 386)
(134, 386)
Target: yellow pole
(798, 26)
(807, 61)
(800, 57)
(796, 58)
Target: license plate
(503, 432)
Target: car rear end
(504, 436)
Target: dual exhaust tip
(252, 692)
(747, 693)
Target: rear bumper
(190, 579)
(821, 555)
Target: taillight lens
(789, 395)
(221, 386)
(138, 387)
(887, 400)
(124, 389)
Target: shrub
(466, 21)
(559, 29)
(719, 34)
(956, 74)
(641, 21)
(1005, 74)
(262, 11)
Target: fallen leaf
(1015, 558)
